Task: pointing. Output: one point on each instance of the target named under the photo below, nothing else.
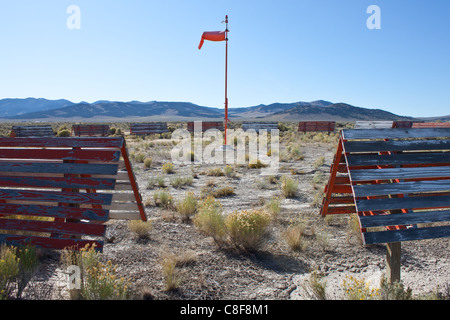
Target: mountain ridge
(105, 110)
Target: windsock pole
(226, 77)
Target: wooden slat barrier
(206, 126)
(53, 191)
(259, 125)
(431, 125)
(148, 128)
(32, 131)
(402, 124)
(398, 179)
(90, 130)
(313, 126)
(374, 124)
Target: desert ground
(329, 246)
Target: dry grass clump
(180, 181)
(98, 280)
(209, 219)
(168, 168)
(214, 172)
(162, 198)
(140, 228)
(294, 237)
(243, 230)
(148, 162)
(257, 165)
(359, 289)
(187, 207)
(17, 267)
(315, 286)
(171, 267)
(289, 187)
(247, 228)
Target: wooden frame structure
(53, 191)
(206, 126)
(431, 125)
(90, 130)
(148, 128)
(32, 131)
(397, 180)
(383, 124)
(257, 125)
(314, 126)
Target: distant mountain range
(32, 109)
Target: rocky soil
(274, 272)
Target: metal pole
(226, 77)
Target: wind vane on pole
(220, 36)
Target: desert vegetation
(224, 231)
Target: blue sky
(279, 51)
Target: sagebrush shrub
(247, 228)
(187, 206)
(209, 219)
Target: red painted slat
(54, 211)
(65, 168)
(57, 182)
(53, 243)
(69, 142)
(53, 227)
(53, 196)
(60, 154)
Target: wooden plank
(313, 126)
(404, 218)
(406, 235)
(396, 145)
(341, 210)
(123, 206)
(30, 131)
(53, 227)
(68, 142)
(60, 154)
(54, 211)
(65, 168)
(259, 125)
(369, 190)
(355, 160)
(90, 130)
(431, 125)
(399, 173)
(57, 182)
(373, 124)
(130, 215)
(393, 263)
(50, 243)
(350, 134)
(54, 196)
(403, 124)
(403, 203)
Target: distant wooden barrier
(402, 124)
(313, 126)
(259, 125)
(32, 131)
(148, 128)
(431, 125)
(90, 130)
(374, 124)
(206, 126)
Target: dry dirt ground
(272, 272)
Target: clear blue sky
(279, 51)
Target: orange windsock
(212, 36)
